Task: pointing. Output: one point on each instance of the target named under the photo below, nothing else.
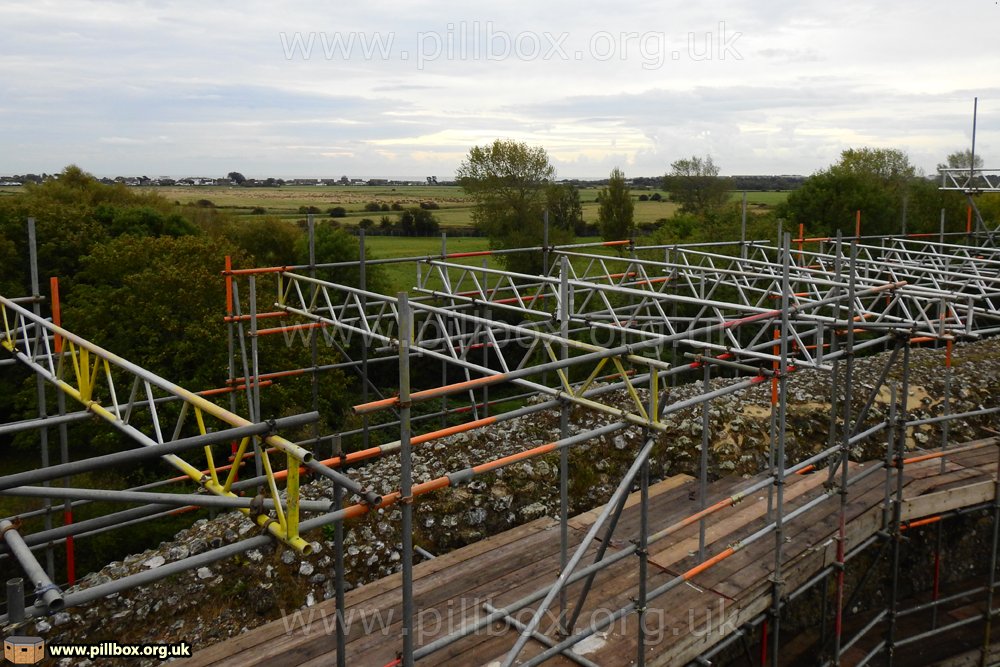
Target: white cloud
(765, 88)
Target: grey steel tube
(177, 499)
(152, 451)
(405, 475)
(51, 596)
(15, 599)
(45, 422)
(89, 524)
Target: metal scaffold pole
(43, 433)
(365, 342)
(603, 337)
(990, 613)
(780, 464)
(564, 414)
(405, 483)
(338, 556)
(845, 452)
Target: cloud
(768, 88)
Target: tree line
(141, 275)
(512, 187)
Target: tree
(270, 240)
(9, 285)
(334, 245)
(615, 215)
(696, 185)
(828, 200)
(889, 165)
(237, 178)
(962, 160)
(156, 302)
(506, 181)
(76, 212)
(418, 221)
(565, 209)
(142, 221)
(876, 181)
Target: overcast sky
(403, 90)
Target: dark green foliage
(335, 245)
(373, 206)
(337, 212)
(879, 183)
(8, 258)
(615, 215)
(418, 222)
(721, 223)
(142, 221)
(565, 209)
(158, 302)
(507, 181)
(827, 202)
(695, 184)
(73, 214)
(962, 159)
(269, 241)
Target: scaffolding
(602, 319)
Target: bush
(258, 210)
(337, 212)
(373, 206)
(656, 196)
(205, 203)
(418, 222)
(643, 197)
(429, 205)
(396, 206)
(366, 223)
(309, 209)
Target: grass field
(762, 198)
(455, 207)
(403, 276)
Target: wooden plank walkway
(685, 622)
